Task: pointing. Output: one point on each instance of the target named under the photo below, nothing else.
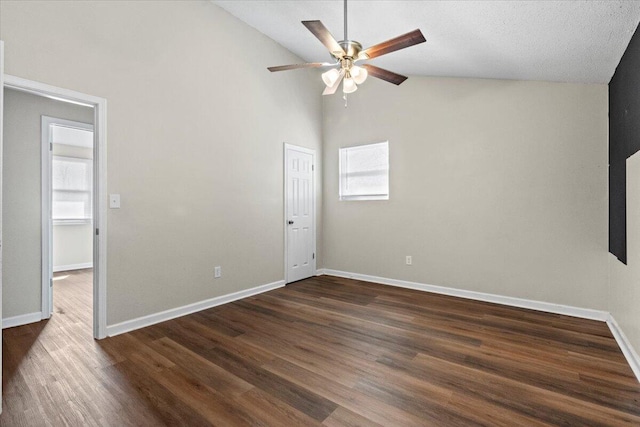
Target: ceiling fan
(347, 53)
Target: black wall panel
(624, 141)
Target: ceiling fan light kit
(348, 85)
(330, 77)
(359, 74)
(347, 53)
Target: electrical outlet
(217, 272)
(114, 201)
(409, 260)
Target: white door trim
(286, 218)
(100, 186)
(47, 229)
(1, 149)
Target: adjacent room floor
(323, 351)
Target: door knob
(290, 222)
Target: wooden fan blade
(320, 31)
(406, 40)
(331, 90)
(296, 66)
(383, 74)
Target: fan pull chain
(344, 96)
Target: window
(72, 184)
(364, 172)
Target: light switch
(114, 201)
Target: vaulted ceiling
(563, 41)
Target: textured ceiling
(562, 41)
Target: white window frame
(74, 221)
(342, 181)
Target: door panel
(1, 132)
(300, 213)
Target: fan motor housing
(351, 47)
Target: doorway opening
(67, 214)
(75, 203)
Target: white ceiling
(562, 41)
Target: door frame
(47, 203)
(1, 150)
(99, 182)
(312, 152)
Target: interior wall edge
(625, 345)
(567, 310)
(20, 320)
(584, 313)
(152, 319)
(69, 267)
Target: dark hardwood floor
(323, 351)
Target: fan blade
(331, 90)
(400, 42)
(383, 74)
(320, 31)
(296, 66)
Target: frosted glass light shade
(330, 77)
(359, 74)
(349, 86)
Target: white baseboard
(320, 272)
(627, 349)
(585, 313)
(23, 319)
(152, 319)
(72, 267)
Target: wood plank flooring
(324, 351)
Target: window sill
(368, 197)
(72, 221)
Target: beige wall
(495, 186)
(72, 246)
(21, 204)
(196, 126)
(624, 280)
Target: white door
(300, 213)
(1, 116)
